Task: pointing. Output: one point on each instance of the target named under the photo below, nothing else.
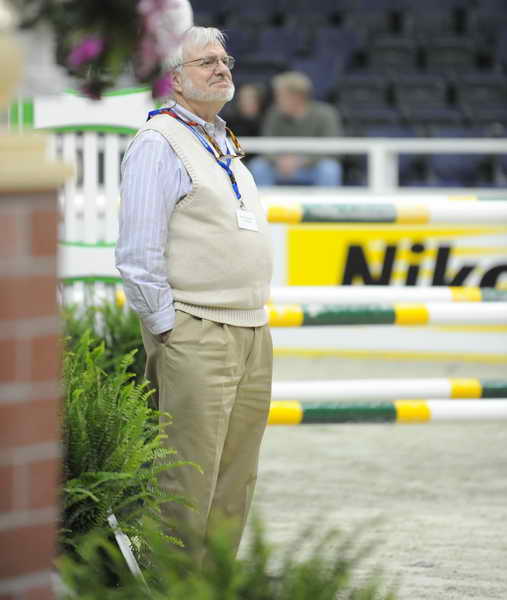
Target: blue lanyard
(225, 165)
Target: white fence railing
(382, 153)
(90, 200)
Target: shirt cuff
(161, 321)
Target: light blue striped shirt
(153, 180)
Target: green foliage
(110, 324)
(112, 443)
(126, 42)
(323, 571)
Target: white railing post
(90, 186)
(382, 168)
(70, 217)
(112, 183)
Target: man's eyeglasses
(211, 62)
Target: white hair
(195, 37)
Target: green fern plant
(116, 327)
(112, 442)
(326, 571)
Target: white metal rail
(382, 153)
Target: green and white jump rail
(473, 213)
(399, 411)
(433, 313)
(388, 389)
(355, 294)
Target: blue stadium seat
(493, 119)
(362, 90)
(487, 24)
(282, 41)
(482, 90)
(320, 71)
(407, 163)
(263, 8)
(204, 18)
(370, 23)
(501, 169)
(241, 41)
(424, 23)
(492, 6)
(427, 119)
(501, 48)
(457, 170)
(457, 131)
(340, 42)
(201, 5)
(390, 131)
(253, 70)
(304, 7)
(359, 121)
(392, 54)
(451, 55)
(355, 170)
(420, 90)
(258, 13)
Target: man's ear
(177, 81)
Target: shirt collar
(216, 129)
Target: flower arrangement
(97, 41)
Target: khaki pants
(215, 381)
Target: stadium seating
(391, 68)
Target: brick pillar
(29, 373)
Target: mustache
(222, 78)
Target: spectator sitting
(295, 114)
(245, 117)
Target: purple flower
(162, 86)
(86, 51)
(147, 57)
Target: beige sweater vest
(216, 270)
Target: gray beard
(192, 93)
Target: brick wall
(29, 394)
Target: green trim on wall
(91, 279)
(97, 128)
(123, 92)
(22, 113)
(88, 245)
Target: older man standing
(195, 257)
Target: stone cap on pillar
(25, 165)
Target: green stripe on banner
(90, 279)
(122, 92)
(494, 388)
(493, 198)
(87, 244)
(96, 128)
(341, 412)
(345, 213)
(493, 295)
(329, 314)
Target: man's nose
(220, 67)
